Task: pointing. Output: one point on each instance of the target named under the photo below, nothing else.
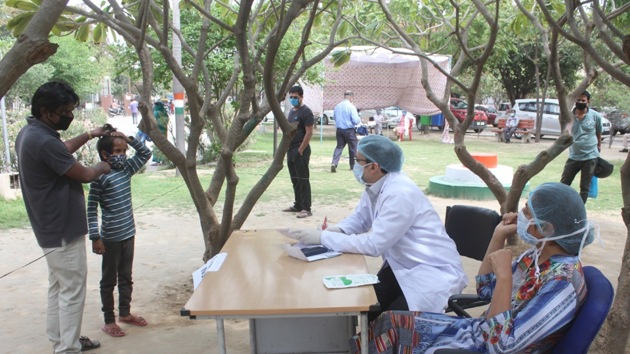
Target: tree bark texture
(32, 46)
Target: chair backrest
(590, 316)
(471, 228)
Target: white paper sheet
(349, 280)
(212, 265)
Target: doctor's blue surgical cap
(383, 151)
(559, 210)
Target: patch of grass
(12, 214)
(425, 157)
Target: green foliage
(340, 57)
(79, 64)
(26, 85)
(15, 122)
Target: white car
(526, 109)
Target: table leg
(364, 332)
(221, 336)
(252, 336)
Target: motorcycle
(116, 111)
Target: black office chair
(471, 228)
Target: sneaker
(623, 150)
(303, 214)
(333, 168)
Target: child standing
(115, 242)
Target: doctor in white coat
(395, 220)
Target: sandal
(87, 344)
(134, 320)
(291, 209)
(113, 330)
(303, 214)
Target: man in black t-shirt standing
(300, 152)
(52, 180)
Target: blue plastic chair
(588, 320)
(591, 315)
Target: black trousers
(388, 293)
(298, 170)
(349, 137)
(571, 169)
(116, 268)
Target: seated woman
(533, 299)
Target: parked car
(490, 112)
(321, 119)
(620, 121)
(504, 107)
(526, 109)
(459, 109)
(328, 116)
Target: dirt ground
(168, 249)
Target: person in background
(299, 153)
(346, 119)
(116, 239)
(133, 107)
(161, 116)
(625, 142)
(51, 183)
(511, 124)
(532, 299)
(587, 143)
(378, 122)
(396, 221)
(405, 125)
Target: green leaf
(83, 33)
(341, 57)
(66, 24)
(22, 5)
(99, 33)
(19, 22)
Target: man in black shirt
(300, 152)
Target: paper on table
(349, 280)
(310, 253)
(212, 265)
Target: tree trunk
(613, 337)
(32, 46)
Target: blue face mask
(117, 161)
(294, 101)
(357, 170)
(522, 224)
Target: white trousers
(67, 276)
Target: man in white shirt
(396, 221)
(510, 126)
(378, 122)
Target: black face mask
(64, 122)
(580, 105)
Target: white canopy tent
(381, 78)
